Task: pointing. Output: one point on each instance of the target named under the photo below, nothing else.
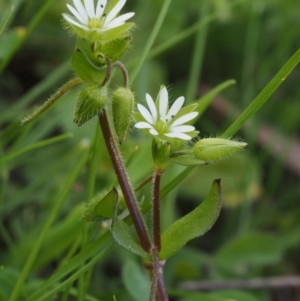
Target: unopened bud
(122, 105)
(215, 149)
(91, 101)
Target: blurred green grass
(248, 42)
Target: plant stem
(124, 72)
(66, 87)
(108, 72)
(161, 293)
(156, 211)
(124, 182)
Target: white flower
(162, 121)
(89, 18)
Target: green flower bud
(91, 101)
(122, 105)
(160, 154)
(88, 64)
(214, 149)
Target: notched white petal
(75, 13)
(185, 118)
(179, 135)
(153, 132)
(89, 6)
(145, 113)
(175, 107)
(120, 20)
(115, 11)
(72, 21)
(100, 8)
(182, 129)
(81, 10)
(143, 125)
(163, 102)
(151, 106)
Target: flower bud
(91, 101)
(122, 105)
(214, 149)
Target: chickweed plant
(157, 133)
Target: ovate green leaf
(194, 224)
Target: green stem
(67, 86)
(124, 182)
(124, 73)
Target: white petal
(70, 20)
(183, 119)
(145, 113)
(89, 6)
(112, 25)
(175, 107)
(151, 106)
(163, 102)
(179, 135)
(100, 8)
(182, 129)
(120, 20)
(76, 13)
(143, 125)
(114, 11)
(81, 10)
(153, 132)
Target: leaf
(6, 19)
(125, 236)
(252, 249)
(8, 279)
(136, 281)
(101, 207)
(264, 95)
(194, 224)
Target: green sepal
(125, 236)
(115, 49)
(91, 101)
(88, 64)
(122, 105)
(160, 154)
(187, 161)
(105, 36)
(192, 225)
(116, 33)
(101, 207)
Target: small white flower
(90, 18)
(162, 121)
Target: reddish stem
(124, 182)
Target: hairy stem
(60, 92)
(156, 211)
(124, 182)
(124, 72)
(108, 72)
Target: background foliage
(43, 185)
